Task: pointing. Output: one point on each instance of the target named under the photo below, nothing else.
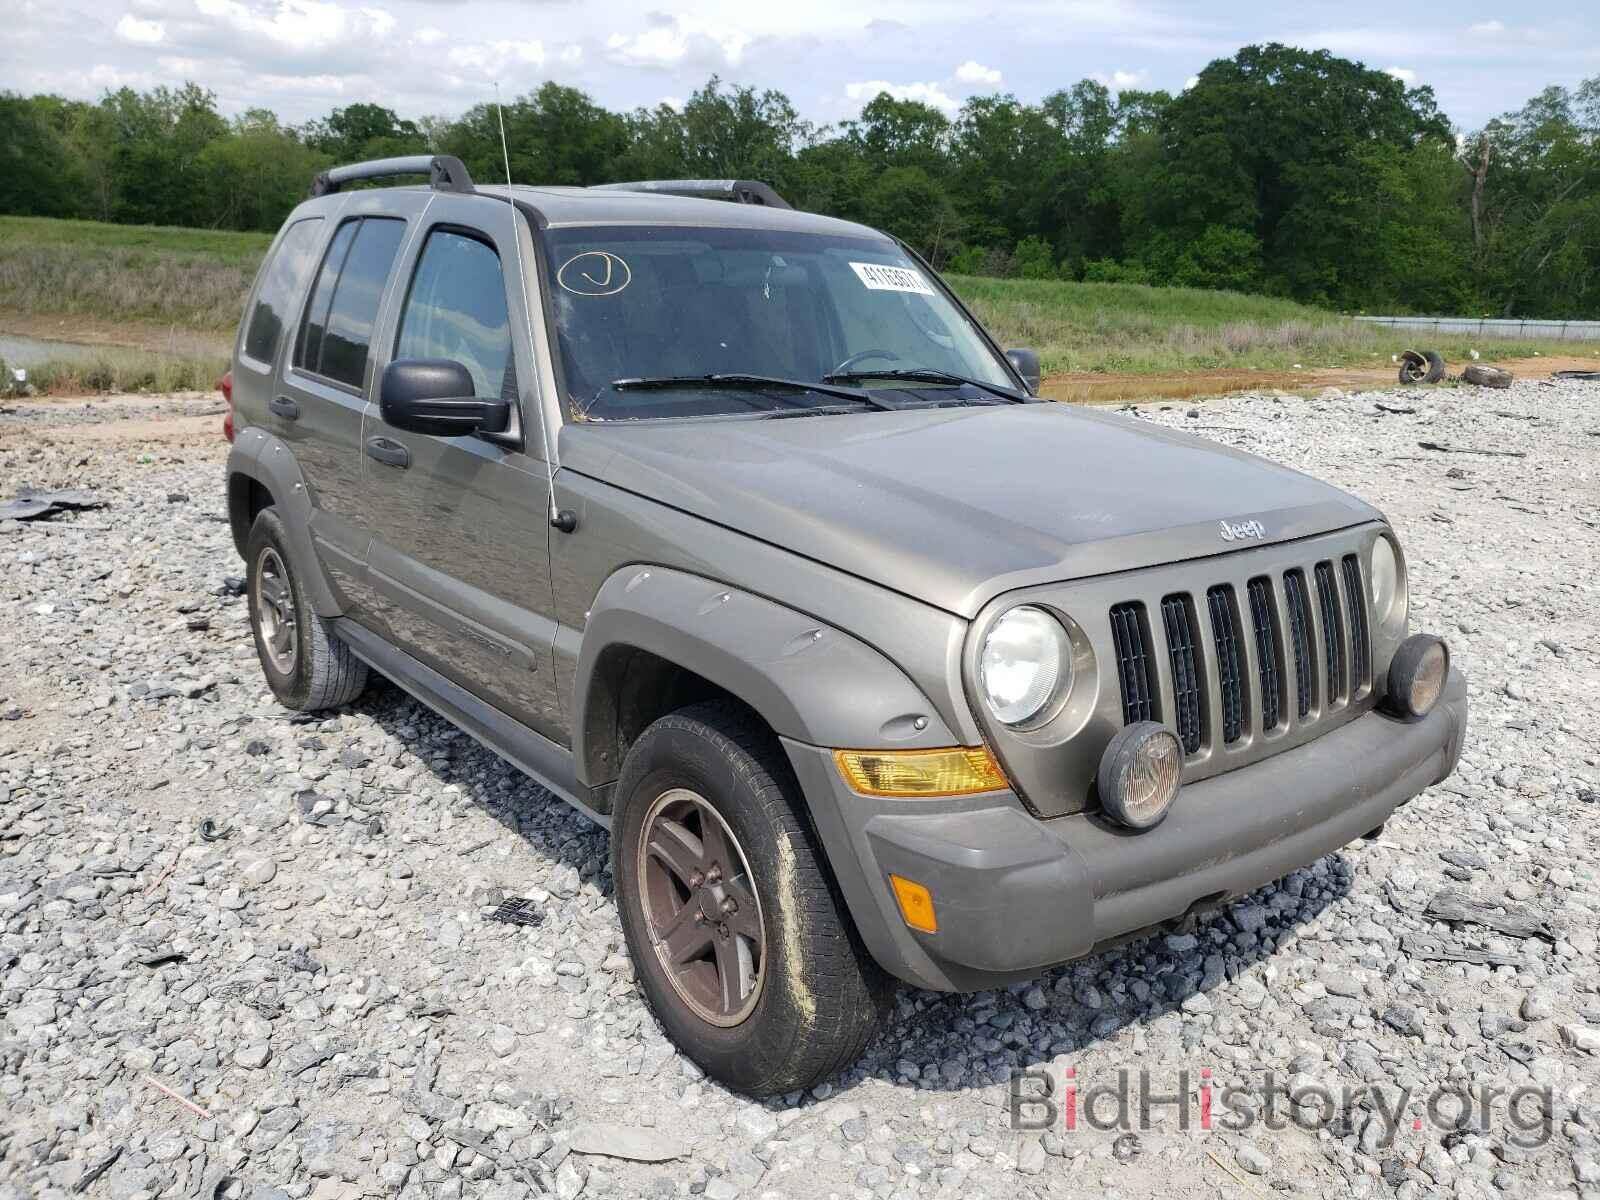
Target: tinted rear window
(349, 291)
(282, 280)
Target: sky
(302, 58)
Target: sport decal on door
(891, 279)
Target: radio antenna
(558, 519)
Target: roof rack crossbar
(445, 172)
(743, 191)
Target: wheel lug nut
(696, 879)
(730, 906)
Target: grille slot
(1135, 670)
(1179, 623)
(1230, 660)
(1299, 603)
(1263, 615)
(1332, 632)
(1360, 646)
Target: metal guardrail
(1491, 327)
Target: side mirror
(1027, 364)
(436, 396)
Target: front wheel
(734, 925)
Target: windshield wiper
(741, 380)
(930, 375)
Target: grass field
(162, 282)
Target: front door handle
(389, 452)
(286, 408)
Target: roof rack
(743, 191)
(445, 172)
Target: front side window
(281, 282)
(337, 330)
(457, 310)
(634, 303)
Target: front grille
(1299, 605)
(1360, 645)
(1179, 623)
(1230, 665)
(1312, 644)
(1135, 668)
(1332, 632)
(1264, 617)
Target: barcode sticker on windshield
(891, 279)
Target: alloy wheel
(701, 908)
(274, 611)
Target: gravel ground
(316, 1003)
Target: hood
(953, 506)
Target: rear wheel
(306, 665)
(736, 930)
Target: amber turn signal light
(959, 771)
(916, 904)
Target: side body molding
(809, 681)
(258, 455)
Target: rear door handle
(389, 452)
(285, 408)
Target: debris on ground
(1421, 366)
(30, 504)
(1511, 919)
(1441, 448)
(1490, 377)
(517, 910)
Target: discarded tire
(1487, 376)
(1421, 366)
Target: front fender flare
(810, 682)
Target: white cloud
(571, 55)
(140, 33)
(493, 58)
(1119, 81)
(299, 26)
(1190, 82)
(667, 43)
(927, 93)
(1487, 28)
(1405, 75)
(674, 102)
(978, 74)
(428, 35)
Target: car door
(459, 564)
(317, 406)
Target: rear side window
(337, 331)
(457, 310)
(281, 282)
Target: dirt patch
(1089, 387)
(188, 420)
(120, 334)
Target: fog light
(916, 904)
(1139, 774)
(1417, 674)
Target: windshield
(669, 305)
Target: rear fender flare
(267, 460)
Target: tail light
(225, 386)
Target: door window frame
(293, 368)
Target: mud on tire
(820, 996)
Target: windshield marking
(880, 278)
(604, 273)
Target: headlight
(1026, 663)
(1388, 600)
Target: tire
(1425, 366)
(1492, 377)
(311, 669)
(816, 998)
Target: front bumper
(1015, 894)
